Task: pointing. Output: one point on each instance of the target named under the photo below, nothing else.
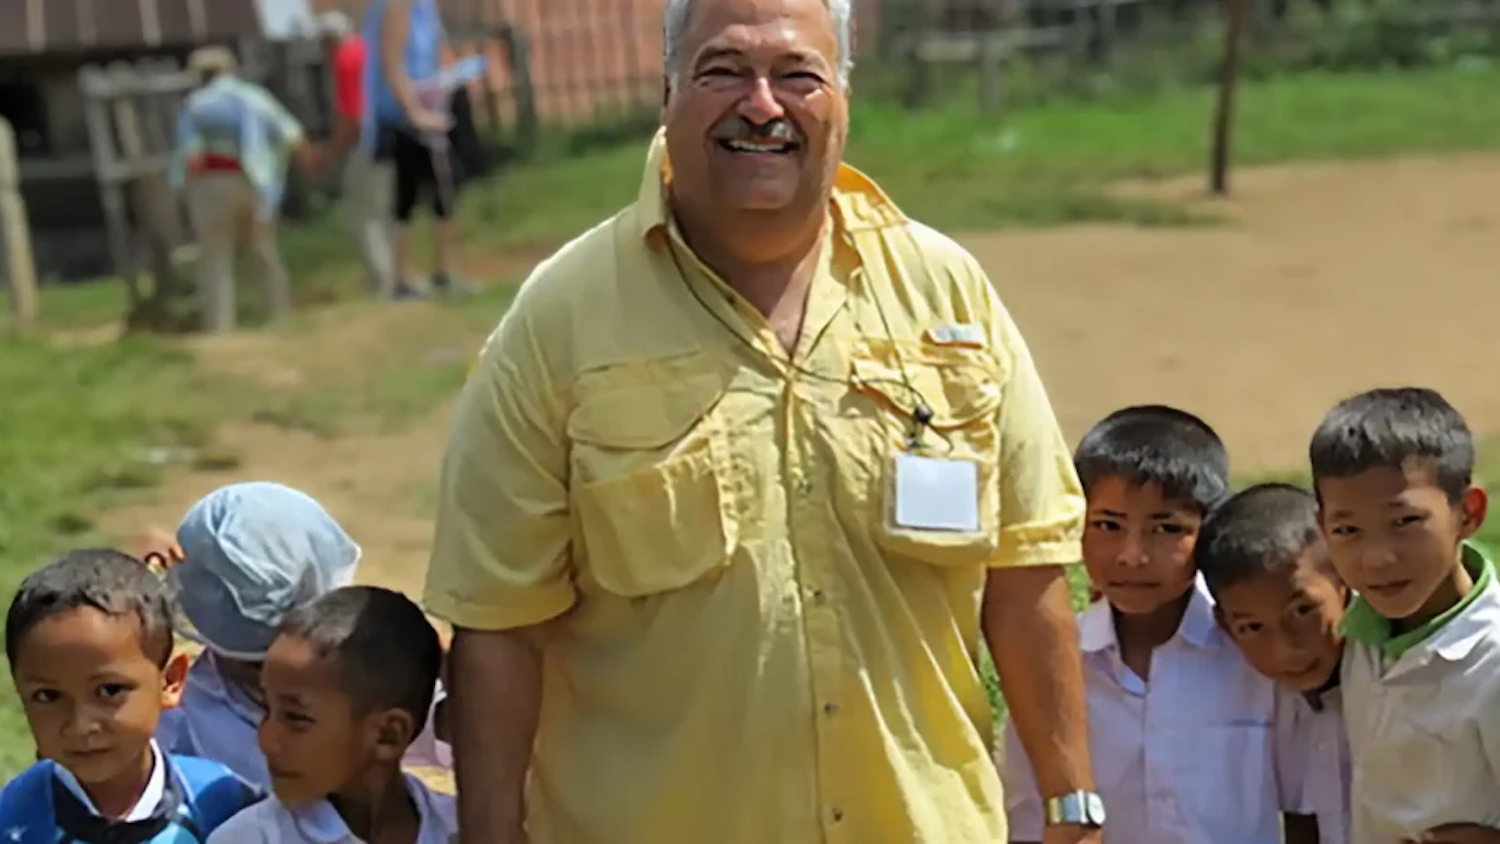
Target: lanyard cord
(921, 412)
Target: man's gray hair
(840, 14)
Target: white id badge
(936, 494)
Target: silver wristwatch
(1079, 808)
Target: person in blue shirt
(90, 644)
(402, 118)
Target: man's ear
(392, 732)
(173, 678)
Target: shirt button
(836, 813)
(819, 597)
(830, 708)
(804, 486)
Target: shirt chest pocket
(960, 387)
(650, 492)
(1226, 781)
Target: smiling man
(737, 487)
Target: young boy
(1181, 729)
(1263, 557)
(89, 639)
(348, 683)
(251, 553)
(1393, 470)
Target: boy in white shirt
(1263, 557)
(1393, 470)
(348, 684)
(1182, 730)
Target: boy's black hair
(1157, 444)
(1385, 428)
(1263, 529)
(385, 651)
(109, 581)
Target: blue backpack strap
(214, 793)
(26, 815)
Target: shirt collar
(1448, 634)
(858, 201)
(320, 823)
(145, 806)
(1318, 699)
(1096, 626)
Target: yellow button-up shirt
(748, 650)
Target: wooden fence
(131, 112)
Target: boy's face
(92, 695)
(1394, 538)
(314, 738)
(1286, 622)
(1138, 545)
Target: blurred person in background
(409, 43)
(367, 183)
(234, 141)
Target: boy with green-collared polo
(1393, 470)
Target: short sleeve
(1023, 802)
(288, 129)
(348, 80)
(1041, 501)
(500, 556)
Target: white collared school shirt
(1424, 728)
(269, 822)
(1319, 756)
(1188, 758)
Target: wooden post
(1236, 13)
(151, 200)
(96, 88)
(20, 266)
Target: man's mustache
(740, 129)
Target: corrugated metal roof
(47, 26)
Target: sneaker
(447, 285)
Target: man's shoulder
(938, 254)
(561, 283)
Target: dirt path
(1334, 278)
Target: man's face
(1394, 537)
(1138, 545)
(92, 696)
(1286, 622)
(757, 117)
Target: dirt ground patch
(1328, 279)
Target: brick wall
(587, 56)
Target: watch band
(1077, 808)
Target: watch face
(1093, 809)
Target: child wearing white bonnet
(252, 552)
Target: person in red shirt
(367, 182)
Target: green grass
(1049, 164)
(86, 424)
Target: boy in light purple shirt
(1264, 559)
